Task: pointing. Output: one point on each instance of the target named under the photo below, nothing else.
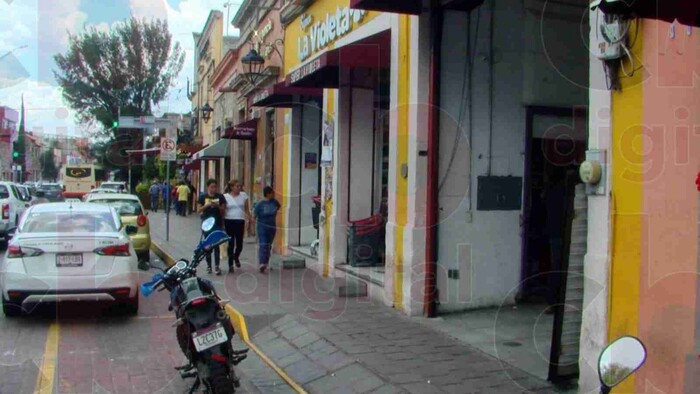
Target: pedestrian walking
(154, 193)
(237, 214)
(266, 215)
(165, 192)
(192, 199)
(183, 194)
(213, 205)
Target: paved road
(94, 349)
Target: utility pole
(228, 5)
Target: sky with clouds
(33, 31)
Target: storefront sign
(305, 70)
(323, 33)
(262, 95)
(306, 20)
(310, 161)
(244, 131)
(266, 29)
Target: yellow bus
(79, 179)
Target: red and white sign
(168, 145)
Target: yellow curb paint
(47, 371)
(238, 321)
(242, 329)
(160, 252)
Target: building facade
(9, 119)
(432, 151)
(33, 150)
(210, 48)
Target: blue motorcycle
(204, 330)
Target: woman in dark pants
(237, 214)
(213, 205)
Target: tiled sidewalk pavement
(335, 345)
(184, 236)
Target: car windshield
(51, 187)
(111, 186)
(68, 222)
(123, 207)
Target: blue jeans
(154, 203)
(265, 237)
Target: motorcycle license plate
(209, 337)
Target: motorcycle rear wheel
(219, 381)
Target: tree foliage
(128, 69)
(614, 373)
(48, 166)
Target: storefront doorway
(309, 187)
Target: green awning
(221, 149)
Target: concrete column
(594, 331)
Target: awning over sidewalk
(324, 71)
(220, 150)
(192, 165)
(413, 7)
(282, 96)
(247, 130)
(687, 12)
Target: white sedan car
(69, 252)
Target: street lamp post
(206, 112)
(253, 63)
(12, 50)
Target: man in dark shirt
(212, 204)
(266, 214)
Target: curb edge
(239, 324)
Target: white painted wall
(341, 155)
(594, 327)
(310, 139)
(486, 245)
(292, 213)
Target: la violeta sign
(323, 33)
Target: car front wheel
(10, 309)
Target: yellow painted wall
(293, 32)
(627, 209)
(401, 139)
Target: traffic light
(15, 152)
(115, 124)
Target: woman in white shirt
(237, 213)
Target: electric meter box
(610, 39)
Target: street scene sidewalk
(332, 344)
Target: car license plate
(209, 337)
(69, 260)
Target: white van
(12, 207)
